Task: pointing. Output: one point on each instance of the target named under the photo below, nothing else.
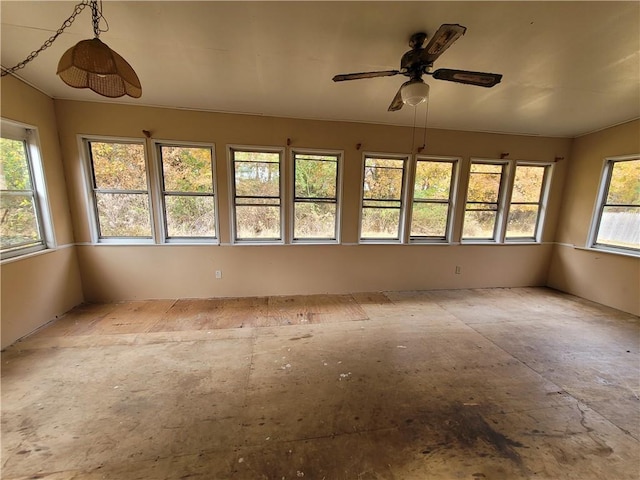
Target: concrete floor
(469, 384)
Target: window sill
(315, 242)
(256, 243)
(503, 244)
(37, 253)
(379, 241)
(612, 251)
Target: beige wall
(130, 272)
(42, 286)
(607, 278)
(116, 273)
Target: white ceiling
(569, 67)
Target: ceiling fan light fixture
(414, 93)
(92, 64)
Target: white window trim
(291, 204)
(504, 202)
(453, 193)
(603, 187)
(506, 185)
(158, 198)
(232, 193)
(92, 209)
(30, 134)
(403, 199)
(544, 198)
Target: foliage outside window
(617, 222)
(315, 196)
(483, 201)
(120, 192)
(432, 199)
(257, 194)
(21, 228)
(526, 202)
(382, 199)
(187, 191)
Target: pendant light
(92, 64)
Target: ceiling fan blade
(480, 79)
(356, 76)
(441, 40)
(397, 103)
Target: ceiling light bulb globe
(415, 93)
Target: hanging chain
(96, 16)
(67, 23)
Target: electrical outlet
(218, 273)
(458, 270)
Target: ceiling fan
(419, 60)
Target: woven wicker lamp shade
(92, 64)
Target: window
(257, 194)
(527, 196)
(315, 196)
(484, 201)
(120, 189)
(382, 197)
(188, 195)
(617, 220)
(24, 219)
(505, 201)
(432, 208)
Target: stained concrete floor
(468, 384)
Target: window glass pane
(479, 225)
(14, 168)
(527, 184)
(119, 166)
(624, 188)
(315, 178)
(433, 180)
(240, 156)
(484, 183)
(380, 223)
(522, 221)
(190, 216)
(383, 179)
(620, 226)
(257, 179)
(429, 219)
(255, 222)
(123, 215)
(314, 220)
(18, 223)
(187, 169)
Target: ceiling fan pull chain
(66, 24)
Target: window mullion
(504, 199)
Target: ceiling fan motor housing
(413, 65)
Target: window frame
(339, 154)
(400, 239)
(451, 202)
(501, 214)
(600, 204)
(30, 137)
(505, 196)
(232, 194)
(160, 203)
(90, 190)
(542, 201)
